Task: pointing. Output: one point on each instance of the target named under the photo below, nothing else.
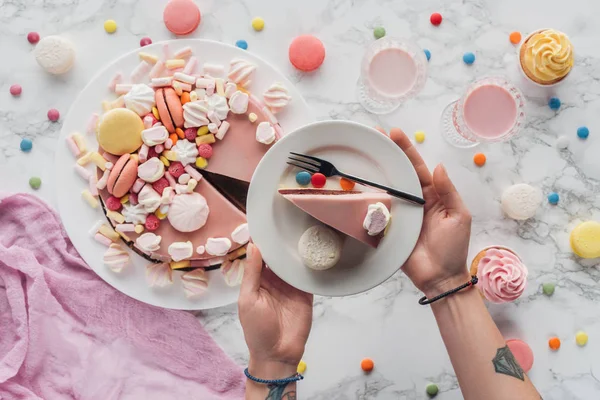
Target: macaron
(181, 17)
(55, 54)
(522, 353)
(585, 239)
(122, 176)
(120, 131)
(320, 247)
(521, 201)
(169, 108)
(306, 53)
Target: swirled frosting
(548, 55)
(502, 275)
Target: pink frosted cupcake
(502, 275)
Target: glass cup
(406, 70)
(455, 126)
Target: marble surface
(385, 323)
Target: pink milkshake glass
(392, 72)
(491, 110)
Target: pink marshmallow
(83, 172)
(73, 146)
(110, 157)
(125, 228)
(93, 181)
(92, 124)
(143, 153)
(121, 88)
(140, 71)
(157, 70)
(159, 148)
(116, 79)
(137, 185)
(170, 179)
(190, 66)
(102, 239)
(168, 144)
(101, 184)
(193, 172)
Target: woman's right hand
(438, 261)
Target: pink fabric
(66, 334)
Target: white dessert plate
(78, 217)
(276, 225)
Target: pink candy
(145, 41)
(125, 228)
(115, 80)
(102, 239)
(133, 198)
(138, 185)
(193, 172)
(171, 180)
(205, 151)
(168, 144)
(143, 153)
(93, 181)
(16, 90)
(73, 146)
(53, 114)
(190, 134)
(159, 148)
(142, 69)
(157, 69)
(84, 173)
(190, 66)
(33, 37)
(92, 124)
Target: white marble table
(386, 323)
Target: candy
(152, 222)
(213, 128)
(306, 53)
(210, 139)
(113, 203)
(107, 231)
(179, 264)
(205, 151)
(548, 288)
(190, 66)
(265, 133)
(252, 117)
(152, 170)
(190, 134)
(435, 19)
(258, 24)
(212, 117)
(184, 179)
(92, 182)
(156, 70)
(318, 180)
(84, 159)
(554, 343)
(155, 113)
(303, 178)
(91, 200)
(84, 173)
(131, 197)
(270, 116)
(164, 160)
(583, 132)
(138, 185)
(222, 130)
(53, 114)
(184, 52)
(301, 367)
(103, 239)
(139, 229)
(33, 37)
(432, 389)
(122, 88)
(347, 184)
(15, 89)
(193, 173)
(180, 250)
(581, 338)
(160, 185)
(203, 130)
(169, 143)
(367, 364)
(214, 70)
(97, 159)
(35, 182)
(479, 159)
(419, 136)
(554, 103)
(175, 63)
(149, 58)
(514, 37)
(379, 32)
(26, 145)
(427, 54)
(553, 198)
(55, 54)
(201, 163)
(468, 58)
(176, 169)
(139, 72)
(585, 239)
(110, 26)
(242, 44)
(173, 138)
(181, 17)
(562, 142)
(145, 41)
(117, 217)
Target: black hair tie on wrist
(424, 300)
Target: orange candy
(479, 159)
(185, 98)
(180, 133)
(347, 184)
(367, 364)
(173, 137)
(515, 37)
(554, 343)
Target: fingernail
(249, 250)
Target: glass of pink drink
(491, 110)
(392, 72)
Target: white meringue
(155, 135)
(377, 219)
(167, 195)
(149, 198)
(233, 272)
(194, 283)
(186, 151)
(140, 99)
(218, 105)
(116, 258)
(135, 214)
(188, 212)
(276, 97)
(152, 170)
(159, 275)
(218, 246)
(194, 114)
(240, 72)
(238, 102)
(241, 235)
(265, 133)
(181, 250)
(148, 242)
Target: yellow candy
(164, 161)
(120, 131)
(125, 199)
(220, 87)
(80, 142)
(110, 26)
(301, 367)
(152, 59)
(252, 117)
(91, 200)
(155, 113)
(258, 24)
(585, 239)
(139, 229)
(125, 237)
(581, 338)
(179, 264)
(175, 63)
(160, 215)
(201, 162)
(206, 139)
(170, 155)
(116, 216)
(420, 136)
(109, 232)
(135, 158)
(97, 159)
(85, 159)
(203, 130)
(193, 95)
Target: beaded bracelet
(275, 382)
(424, 300)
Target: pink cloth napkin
(66, 334)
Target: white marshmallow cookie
(377, 219)
(320, 247)
(55, 54)
(521, 201)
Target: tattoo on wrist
(505, 363)
(276, 393)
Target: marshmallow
(377, 219)
(186, 152)
(238, 102)
(184, 179)
(194, 283)
(265, 133)
(185, 78)
(143, 153)
(113, 82)
(181, 250)
(320, 247)
(149, 198)
(125, 228)
(116, 258)
(108, 232)
(175, 63)
(89, 198)
(252, 117)
(148, 242)
(183, 52)
(171, 180)
(240, 235)
(193, 173)
(190, 66)
(217, 246)
(81, 171)
(233, 272)
(161, 82)
(103, 240)
(165, 51)
(122, 88)
(159, 275)
(149, 58)
(92, 124)
(240, 72)
(155, 135)
(195, 114)
(103, 181)
(138, 73)
(117, 217)
(200, 250)
(92, 182)
(230, 88)
(219, 87)
(140, 99)
(157, 70)
(137, 185)
(152, 170)
(276, 97)
(188, 212)
(212, 117)
(213, 128)
(222, 130)
(213, 69)
(73, 146)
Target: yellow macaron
(120, 131)
(585, 239)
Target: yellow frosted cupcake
(546, 56)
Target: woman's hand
(276, 319)
(438, 262)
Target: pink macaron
(122, 176)
(181, 17)
(169, 108)
(306, 53)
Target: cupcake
(546, 56)
(501, 273)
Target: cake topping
(152, 170)
(277, 97)
(159, 275)
(188, 212)
(240, 72)
(265, 133)
(548, 55)
(377, 219)
(230, 89)
(241, 235)
(218, 105)
(233, 272)
(181, 250)
(200, 250)
(148, 242)
(155, 135)
(194, 283)
(136, 214)
(238, 102)
(217, 246)
(502, 275)
(320, 247)
(116, 258)
(140, 99)
(194, 114)
(149, 199)
(186, 152)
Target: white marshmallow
(155, 135)
(152, 170)
(217, 246)
(230, 88)
(185, 78)
(161, 82)
(238, 102)
(265, 133)
(181, 250)
(320, 247)
(148, 242)
(241, 235)
(149, 198)
(200, 250)
(377, 219)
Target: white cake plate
(78, 217)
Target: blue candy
(553, 198)
(303, 178)
(469, 58)
(26, 144)
(583, 132)
(554, 103)
(242, 44)
(427, 54)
